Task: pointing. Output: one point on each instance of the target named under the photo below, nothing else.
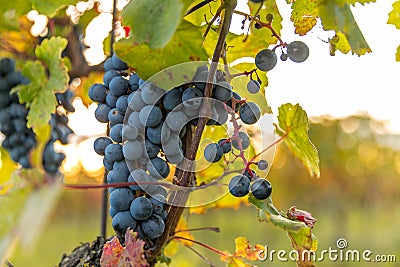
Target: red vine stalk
(203, 245)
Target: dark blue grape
(262, 164)
(111, 100)
(245, 141)
(192, 98)
(249, 113)
(223, 91)
(134, 82)
(121, 167)
(239, 186)
(98, 92)
(121, 198)
(101, 113)
(118, 86)
(158, 168)
(114, 152)
(141, 208)
(100, 145)
(213, 152)
(150, 116)
(118, 63)
(226, 145)
(172, 99)
(122, 104)
(151, 149)
(261, 189)
(115, 117)
(122, 221)
(108, 65)
(153, 227)
(116, 133)
(116, 176)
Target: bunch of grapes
(296, 51)
(148, 125)
(19, 140)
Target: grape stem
(202, 244)
(185, 177)
(263, 25)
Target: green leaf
(339, 42)
(294, 126)
(338, 17)
(304, 15)
(186, 45)
(50, 8)
(153, 24)
(258, 39)
(50, 52)
(39, 93)
(394, 15)
(203, 14)
(11, 12)
(398, 54)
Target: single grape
(176, 120)
(283, 57)
(109, 75)
(100, 145)
(153, 227)
(297, 51)
(158, 203)
(122, 221)
(261, 189)
(151, 94)
(245, 141)
(133, 150)
(119, 86)
(98, 92)
(266, 60)
(141, 208)
(121, 167)
(223, 91)
(116, 176)
(172, 146)
(136, 103)
(115, 117)
(116, 133)
(239, 186)
(134, 121)
(172, 99)
(118, 63)
(213, 152)
(108, 65)
(134, 82)
(151, 149)
(262, 164)
(122, 104)
(158, 134)
(150, 116)
(108, 164)
(111, 100)
(192, 98)
(7, 65)
(253, 86)
(226, 145)
(158, 168)
(121, 198)
(139, 176)
(200, 80)
(250, 174)
(249, 113)
(101, 113)
(114, 152)
(129, 133)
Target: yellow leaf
(7, 167)
(304, 15)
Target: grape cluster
(20, 140)
(267, 59)
(129, 155)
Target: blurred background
(352, 104)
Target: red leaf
(131, 255)
(301, 215)
(112, 253)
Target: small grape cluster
(20, 140)
(267, 59)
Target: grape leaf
(114, 254)
(394, 15)
(304, 15)
(244, 251)
(7, 167)
(50, 8)
(38, 94)
(11, 13)
(294, 126)
(158, 21)
(299, 234)
(339, 42)
(202, 14)
(398, 54)
(338, 17)
(185, 45)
